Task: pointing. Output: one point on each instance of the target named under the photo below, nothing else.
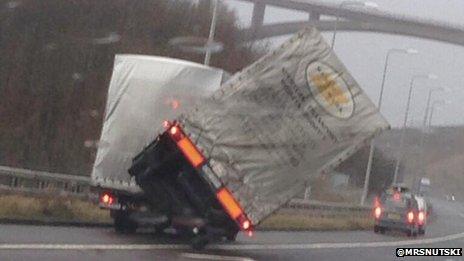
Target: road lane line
(424, 241)
(215, 257)
(93, 247)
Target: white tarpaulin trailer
(144, 91)
(295, 113)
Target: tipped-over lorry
(143, 92)
(243, 152)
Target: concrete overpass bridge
(351, 19)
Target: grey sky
(364, 55)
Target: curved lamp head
(193, 44)
(367, 4)
(440, 103)
(372, 5)
(446, 89)
(423, 76)
(412, 51)
(439, 89)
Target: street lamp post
(212, 31)
(428, 123)
(434, 104)
(379, 104)
(403, 132)
(426, 115)
(427, 110)
(349, 3)
(424, 125)
(387, 59)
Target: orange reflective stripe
(191, 152)
(229, 203)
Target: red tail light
(377, 212)
(421, 217)
(246, 225)
(107, 198)
(410, 216)
(234, 210)
(174, 130)
(189, 150)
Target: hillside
(442, 159)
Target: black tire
(421, 231)
(382, 230)
(159, 229)
(409, 233)
(232, 237)
(199, 242)
(376, 229)
(123, 224)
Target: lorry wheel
(159, 229)
(123, 224)
(232, 237)
(199, 242)
(231, 234)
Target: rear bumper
(395, 225)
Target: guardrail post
(14, 182)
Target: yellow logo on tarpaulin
(330, 90)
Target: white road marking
(215, 257)
(230, 247)
(91, 247)
(342, 245)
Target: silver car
(399, 211)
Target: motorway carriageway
(25, 242)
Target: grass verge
(305, 223)
(68, 209)
(50, 208)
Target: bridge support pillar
(257, 19)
